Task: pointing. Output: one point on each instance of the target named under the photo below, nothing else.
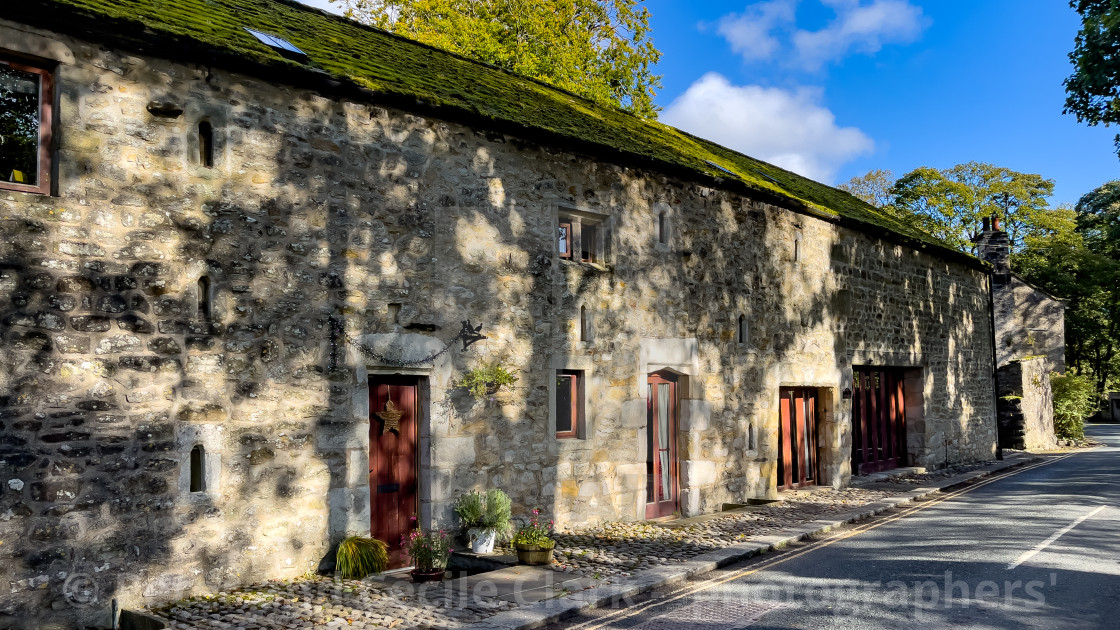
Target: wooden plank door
(797, 437)
(878, 419)
(661, 445)
(392, 462)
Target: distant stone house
(235, 272)
(1030, 344)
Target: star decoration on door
(391, 417)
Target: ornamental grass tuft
(360, 556)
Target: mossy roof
(409, 74)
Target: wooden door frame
(886, 405)
(659, 509)
(408, 380)
(809, 442)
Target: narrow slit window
(584, 324)
(204, 309)
(206, 144)
(797, 249)
(662, 228)
(750, 436)
(569, 403)
(198, 479)
(742, 330)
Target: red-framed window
(566, 239)
(569, 403)
(26, 109)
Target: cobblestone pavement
(321, 602)
(622, 549)
(609, 551)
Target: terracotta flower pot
(418, 576)
(533, 554)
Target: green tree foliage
(1074, 400)
(598, 49)
(1093, 89)
(952, 203)
(874, 187)
(1075, 254)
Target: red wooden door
(797, 437)
(878, 420)
(661, 446)
(392, 462)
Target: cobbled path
(322, 602)
(622, 549)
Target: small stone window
(750, 437)
(206, 144)
(663, 227)
(585, 324)
(26, 110)
(581, 237)
(742, 335)
(797, 247)
(569, 403)
(205, 310)
(198, 475)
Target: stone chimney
(993, 246)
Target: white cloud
(788, 128)
(861, 26)
(749, 32)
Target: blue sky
(834, 88)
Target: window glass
(565, 240)
(587, 244)
(564, 403)
(198, 483)
(19, 125)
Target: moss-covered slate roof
(408, 73)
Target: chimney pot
(995, 224)
(987, 224)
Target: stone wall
(320, 213)
(1026, 405)
(1029, 323)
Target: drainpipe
(995, 379)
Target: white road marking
(1046, 543)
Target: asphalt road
(1036, 548)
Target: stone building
(1030, 345)
(235, 272)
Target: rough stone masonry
(157, 304)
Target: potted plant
(485, 381)
(484, 517)
(429, 552)
(360, 556)
(533, 541)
